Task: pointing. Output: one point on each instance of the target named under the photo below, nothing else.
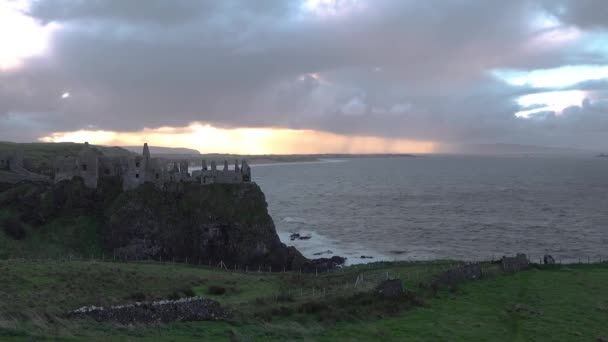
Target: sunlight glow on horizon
(209, 139)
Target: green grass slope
(561, 303)
(39, 157)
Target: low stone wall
(514, 264)
(186, 309)
(458, 275)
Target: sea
(441, 207)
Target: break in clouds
(446, 71)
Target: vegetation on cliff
(211, 223)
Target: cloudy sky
(305, 76)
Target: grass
(561, 303)
(60, 238)
(39, 157)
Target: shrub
(188, 292)
(312, 307)
(137, 296)
(216, 290)
(14, 228)
(282, 311)
(285, 298)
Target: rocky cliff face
(211, 223)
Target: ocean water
(431, 207)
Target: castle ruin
(136, 170)
(12, 170)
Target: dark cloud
(587, 14)
(417, 70)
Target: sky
(305, 76)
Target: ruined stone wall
(156, 172)
(65, 168)
(88, 166)
(135, 171)
(5, 161)
(134, 175)
(11, 161)
(224, 176)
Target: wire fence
(339, 282)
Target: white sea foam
(317, 246)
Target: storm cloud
(422, 70)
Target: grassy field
(561, 303)
(39, 157)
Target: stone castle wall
(10, 161)
(137, 170)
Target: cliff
(210, 223)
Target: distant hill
(39, 157)
(513, 149)
(166, 152)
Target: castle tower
(183, 169)
(148, 171)
(245, 171)
(213, 166)
(88, 166)
(146, 153)
(204, 168)
(236, 166)
(225, 165)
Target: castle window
(157, 176)
(137, 175)
(107, 171)
(136, 164)
(84, 167)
